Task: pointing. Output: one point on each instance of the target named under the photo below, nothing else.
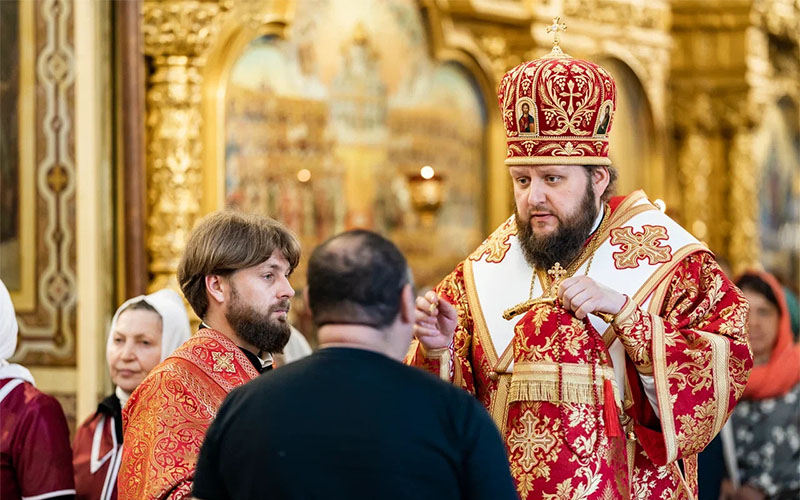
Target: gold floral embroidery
(697, 429)
(584, 489)
(642, 245)
(496, 245)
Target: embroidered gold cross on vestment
(223, 362)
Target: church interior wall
(712, 85)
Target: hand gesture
(583, 295)
(435, 321)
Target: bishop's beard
(566, 242)
(256, 328)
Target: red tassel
(613, 428)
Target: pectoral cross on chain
(557, 275)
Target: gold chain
(587, 253)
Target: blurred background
(122, 123)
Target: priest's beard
(256, 328)
(566, 242)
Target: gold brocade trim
(505, 360)
(659, 296)
(442, 355)
(624, 314)
(676, 471)
(630, 447)
(458, 376)
(478, 321)
(626, 204)
(720, 354)
(499, 405)
(662, 388)
(662, 272)
(560, 160)
(539, 382)
(444, 366)
(609, 336)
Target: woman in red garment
(34, 438)
(144, 331)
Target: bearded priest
(602, 337)
(235, 274)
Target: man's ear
(600, 179)
(407, 308)
(215, 288)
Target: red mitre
(557, 110)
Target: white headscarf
(8, 339)
(175, 328)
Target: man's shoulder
(497, 244)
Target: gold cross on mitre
(556, 28)
(557, 275)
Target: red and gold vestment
(587, 409)
(167, 416)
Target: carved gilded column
(176, 37)
(695, 167)
(743, 202)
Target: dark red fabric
(88, 485)
(35, 456)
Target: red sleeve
(42, 454)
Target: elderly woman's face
(134, 348)
(763, 325)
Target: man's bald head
(356, 277)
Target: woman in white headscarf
(144, 331)
(34, 437)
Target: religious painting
(526, 117)
(17, 152)
(604, 120)
(326, 126)
(9, 145)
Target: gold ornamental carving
(176, 37)
(182, 39)
(743, 202)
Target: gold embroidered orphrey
(642, 245)
(223, 362)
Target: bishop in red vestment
(602, 337)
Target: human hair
(140, 305)
(755, 283)
(356, 277)
(227, 241)
(611, 189)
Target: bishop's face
(556, 209)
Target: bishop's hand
(583, 296)
(435, 321)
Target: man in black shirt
(346, 421)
